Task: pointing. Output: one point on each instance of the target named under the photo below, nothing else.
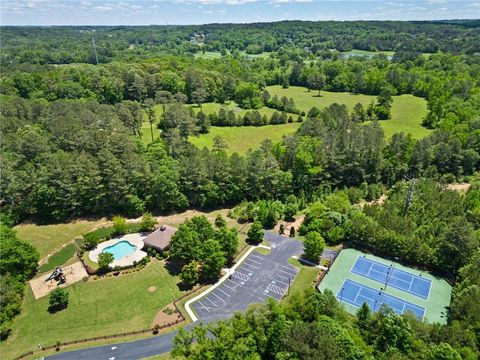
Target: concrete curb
(321, 267)
(219, 282)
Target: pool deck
(134, 239)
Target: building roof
(160, 238)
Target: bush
(220, 221)
(292, 232)
(104, 261)
(59, 300)
(148, 222)
(90, 240)
(119, 225)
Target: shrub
(90, 240)
(104, 261)
(292, 232)
(119, 225)
(58, 300)
(220, 221)
(148, 222)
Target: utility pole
(95, 50)
(408, 198)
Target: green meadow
(407, 111)
(240, 139)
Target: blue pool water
(120, 249)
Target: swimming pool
(120, 249)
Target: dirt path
(462, 187)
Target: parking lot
(258, 278)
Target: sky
(148, 12)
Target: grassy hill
(408, 111)
(240, 139)
(407, 114)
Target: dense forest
(71, 146)
(65, 45)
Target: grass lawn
(240, 139)
(165, 356)
(255, 56)
(408, 111)
(209, 55)
(407, 114)
(101, 307)
(59, 258)
(207, 108)
(47, 238)
(304, 279)
(355, 52)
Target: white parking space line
(258, 257)
(247, 264)
(231, 287)
(255, 261)
(235, 282)
(281, 276)
(261, 299)
(273, 297)
(292, 272)
(205, 307)
(287, 273)
(223, 292)
(217, 296)
(211, 301)
(281, 282)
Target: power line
(95, 49)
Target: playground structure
(57, 275)
(60, 277)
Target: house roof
(160, 238)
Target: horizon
(241, 23)
(203, 12)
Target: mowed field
(97, 307)
(240, 139)
(48, 238)
(408, 112)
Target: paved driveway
(256, 279)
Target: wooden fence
(96, 338)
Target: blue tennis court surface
(393, 277)
(356, 294)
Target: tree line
(73, 158)
(73, 44)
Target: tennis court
(356, 277)
(391, 276)
(356, 294)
